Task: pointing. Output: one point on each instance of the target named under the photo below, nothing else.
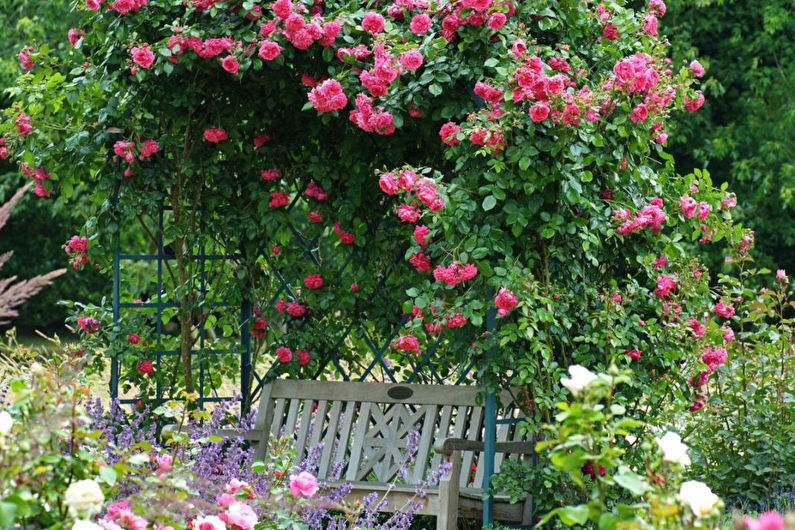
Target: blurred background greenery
(744, 134)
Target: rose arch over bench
(310, 188)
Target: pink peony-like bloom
(373, 22)
(303, 357)
(284, 354)
(665, 284)
(456, 321)
(215, 135)
(282, 8)
(408, 213)
(728, 334)
(781, 275)
(505, 301)
(279, 199)
(74, 35)
(697, 327)
(240, 516)
(449, 132)
(208, 522)
(146, 367)
(688, 206)
(230, 64)
(132, 338)
(388, 183)
(660, 262)
(303, 484)
(420, 233)
(269, 50)
(610, 32)
(354, 287)
(497, 20)
(723, 310)
(650, 24)
(420, 24)
(313, 281)
(24, 59)
(703, 210)
(696, 68)
(328, 96)
(143, 56)
(771, 520)
(633, 354)
(88, 324)
(315, 217)
(93, 5)
(22, 121)
(539, 111)
(714, 357)
(420, 261)
(296, 310)
(657, 7)
(164, 462)
(408, 343)
(270, 174)
(694, 104)
(410, 60)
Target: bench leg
(448, 495)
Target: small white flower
(82, 524)
(673, 449)
(83, 496)
(6, 422)
(581, 377)
(698, 497)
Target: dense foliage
(745, 133)
(463, 162)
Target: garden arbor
(317, 188)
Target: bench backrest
(366, 426)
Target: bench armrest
(460, 444)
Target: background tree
(745, 133)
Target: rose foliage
(441, 162)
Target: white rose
(698, 497)
(82, 524)
(581, 377)
(83, 495)
(673, 449)
(6, 422)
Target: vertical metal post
(490, 427)
(114, 362)
(245, 356)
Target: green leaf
(7, 513)
(629, 480)
(572, 515)
(489, 202)
(435, 89)
(108, 475)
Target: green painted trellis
(424, 370)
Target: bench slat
(442, 433)
(426, 441)
(278, 416)
(474, 433)
(318, 426)
(373, 392)
(362, 426)
(324, 466)
(303, 431)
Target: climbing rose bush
(499, 180)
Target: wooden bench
(365, 425)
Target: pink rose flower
(373, 22)
(420, 24)
(505, 301)
(143, 56)
(230, 64)
(539, 111)
(284, 354)
(303, 484)
(269, 50)
(215, 135)
(313, 281)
